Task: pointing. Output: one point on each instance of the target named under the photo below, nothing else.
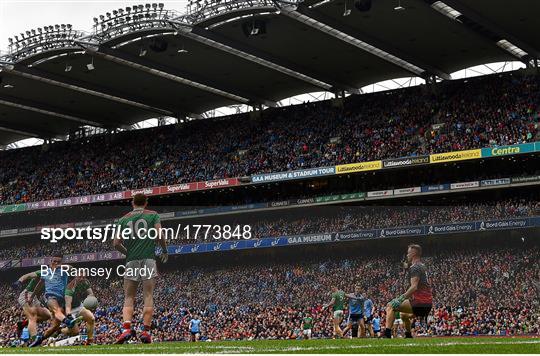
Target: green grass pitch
(420, 345)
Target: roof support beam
(45, 110)
(18, 132)
(31, 73)
(333, 28)
(251, 54)
(481, 20)
(28, 132)
(159, 71)
(194, 80)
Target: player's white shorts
(141, 270)
(23, 299)
(307, 332)
(338, 314)
(76, 312)
(398, 322)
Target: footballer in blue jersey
(376, 324)
(195, 328)
(355, 322)
(369, 309)
(55, 279)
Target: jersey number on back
(139, 225)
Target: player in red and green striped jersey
(417, 301)
(144, 227)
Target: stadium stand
(457, 115)
(305, 221)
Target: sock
(127, 325)
(408, 334)
(388, 333)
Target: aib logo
(257, 243)
(275, 242)
(195, 248)
(217, 247)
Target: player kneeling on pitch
(417, 301)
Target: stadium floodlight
(108, 15)
(128, 9)
(142, 52)
(40, 30)
(183, 49)
(68, 68)
(115, 13)
(161, 5)
(90, 65)
(154, 6)
(96, 20)
(399, 7)
(69, 26)
(10, 40)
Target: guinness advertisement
(405, 161)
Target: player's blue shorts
(61, 301)
(355, 318)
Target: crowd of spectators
(480, 291)
(327, 219)
(454, 115)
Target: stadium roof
(145, 61)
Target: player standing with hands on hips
(140, 252)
